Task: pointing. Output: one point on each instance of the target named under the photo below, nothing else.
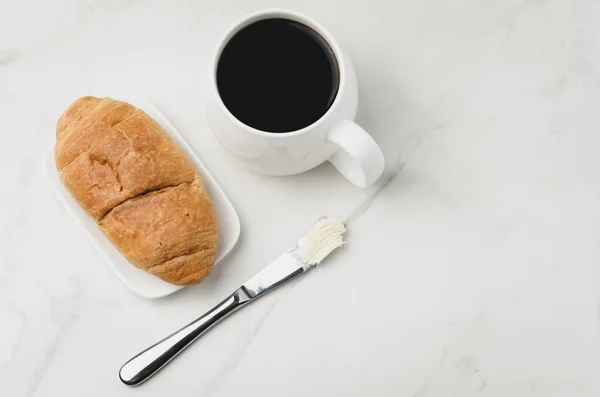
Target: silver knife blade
(273, 275)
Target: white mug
(334, 137)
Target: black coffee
(277, 75)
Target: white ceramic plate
(138, 280)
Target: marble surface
(472, 267)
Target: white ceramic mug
(334, 137)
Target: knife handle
(151, 360)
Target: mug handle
(358, 158)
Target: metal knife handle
(151, 360)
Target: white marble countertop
(472, 268)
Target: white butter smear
(324, 237)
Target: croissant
(130, 176)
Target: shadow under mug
(334, 137)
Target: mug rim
(295, 16)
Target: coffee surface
(277, 75)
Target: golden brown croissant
(144, 194)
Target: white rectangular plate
(139, 281)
